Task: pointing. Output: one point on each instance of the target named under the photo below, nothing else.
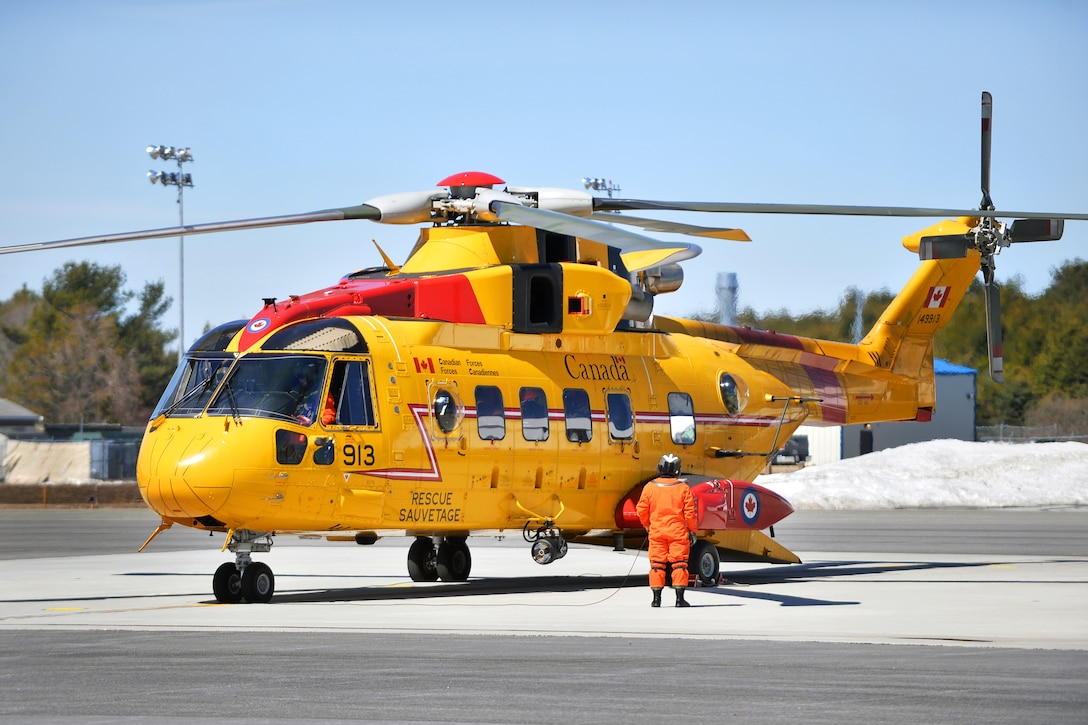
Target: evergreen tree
(75, 356)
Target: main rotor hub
(464, 184)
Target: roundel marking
(749, 506)
(258, 325)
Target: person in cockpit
(306, 390)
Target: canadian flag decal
(426, 364)
(937, 297)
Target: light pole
(180, 180)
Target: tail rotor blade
(1036, 230)
(993, 331)
(987, 119)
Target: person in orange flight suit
(667, 509)
(328, 414)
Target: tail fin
(902, 339)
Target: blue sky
(296, 106)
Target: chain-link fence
(1024, 433)
(40, 461)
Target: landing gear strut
(450, 561)
(244, 578)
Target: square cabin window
(578, 416)
(681, 419)
(490, 416)
(621, 419)
(534, 414)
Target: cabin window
(681, 419)
(734, 393)
(534, 414)
(621, 419)
(490, 416)
(350, 400)
(579, 418)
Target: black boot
(657, 598)
(680, 601)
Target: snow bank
(943, 473)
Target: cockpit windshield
(193, 384)
(285, 387)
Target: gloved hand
(692, 537)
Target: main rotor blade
(657, 225)
(993, 331)
(987, 120)
(361, 211)
(596, 231)
(602, 204)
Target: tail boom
(888, 376)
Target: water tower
(727, 298)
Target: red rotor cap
(471, 178)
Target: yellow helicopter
(510, 375)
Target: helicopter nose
(184, 471)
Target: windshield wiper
(234, 412)
(194, 392)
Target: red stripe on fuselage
(767, 337)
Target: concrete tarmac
(921, 631)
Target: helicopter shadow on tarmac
(476, 587)
(741, 585)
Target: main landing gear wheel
(227, 584)
(706, 564)
(422, 560)
(454, 560)
(258, 583)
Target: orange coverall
(667, 509)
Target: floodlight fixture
(180, 180)
(598, 184)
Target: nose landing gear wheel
(258, 583)
(454, 561)
(227, 584)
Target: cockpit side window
(350, 400)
